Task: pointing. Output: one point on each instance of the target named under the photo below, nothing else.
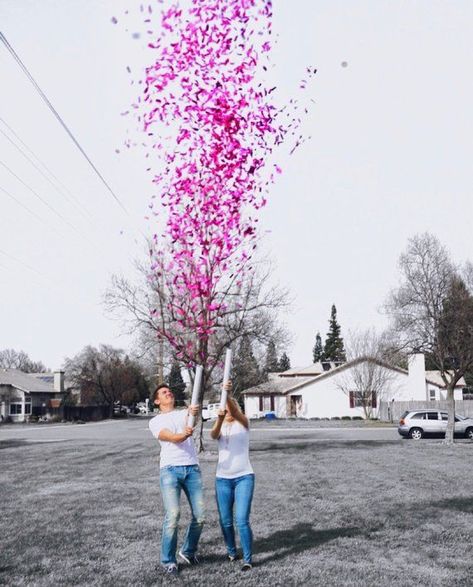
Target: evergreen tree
(176, 383)
(334, 349)
(271, 364)
(284, 363)
(245, 371)
(318, 350)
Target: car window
(432, 416)
(444, 416)
(418, 416)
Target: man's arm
(178, 437)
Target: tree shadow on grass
(301, 537)
(326, 444)
(459, 504)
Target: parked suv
(419, 423)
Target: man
(179, 470)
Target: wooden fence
(392, 411)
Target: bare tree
(11, 359)
(251, 308)
(432, 310)
(370, 377)
(107, 375)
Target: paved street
(136, 429)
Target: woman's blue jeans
(172, 480)
(236, 493)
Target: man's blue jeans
(236, 492)
(172, 481)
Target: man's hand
(227, 386)
(188, 431)
(221, 414)
(194, 410)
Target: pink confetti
(205, 84)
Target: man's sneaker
(171, 569)
(232, 558)
(247, 567)
(189, 560)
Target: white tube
(226, 377)
(196, 391)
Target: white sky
(390, 156)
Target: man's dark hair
(160, 386)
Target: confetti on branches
(211, 127)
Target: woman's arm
(217, 427)
(235, 411)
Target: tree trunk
(449, 433)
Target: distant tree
(246, 372)
(271, 364)
(11, 359)
(284, 363)
(432, 310)
(369, 379)
(107, 375)
(334, 349)
(176, 383)
(318, 350)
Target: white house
(327, 391)
(25, 394)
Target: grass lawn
(360, 513)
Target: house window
(15, 409)
(467, 393)
(266, 403)
(432, 394)
(360, 399)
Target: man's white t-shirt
(174, 453)
(233, 451)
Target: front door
(294, 405)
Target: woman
(235, 481)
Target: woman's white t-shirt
(174, 453)
(233, 451)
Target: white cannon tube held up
(226, 377)
(196, 391)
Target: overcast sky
(390, 156)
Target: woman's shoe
(247, 567)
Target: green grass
(325, 513)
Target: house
(26, 394)
(328, 390)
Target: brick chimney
(59, 381)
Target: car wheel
(416, 433)
(469, 433)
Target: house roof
(436, 378)
(296, 378)
(29, 382)
(279, 386)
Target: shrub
(33, 418)
(335, 418)
(346, 417)
(357, 418)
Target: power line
(19, 261)
(59, 119)
(28, 158)
(24, 206)
(34, 192)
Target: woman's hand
(227, 386)
(221, 414)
